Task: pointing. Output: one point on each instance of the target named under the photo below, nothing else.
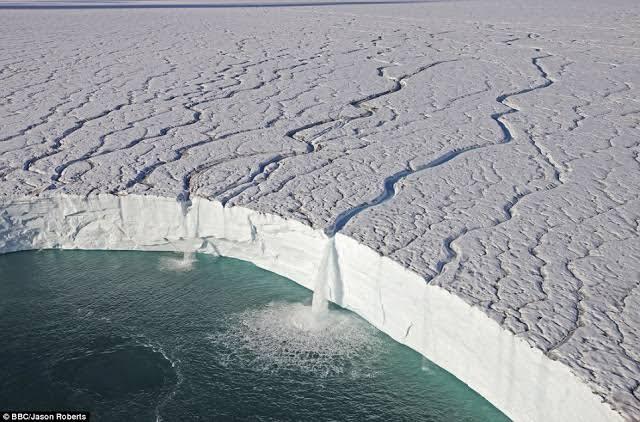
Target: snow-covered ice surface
(491, 147)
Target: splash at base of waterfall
(178, 264)
(287, 336)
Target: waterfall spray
(188, 253)
(328, 274)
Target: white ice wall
(518, 379)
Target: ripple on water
(114, 369)
(113, 333)
(288, 336)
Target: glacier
(504, 369)
(468, 171)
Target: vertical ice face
(492, 150)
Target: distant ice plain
(308, 112)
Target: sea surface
(157, 337)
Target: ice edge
(518, 379)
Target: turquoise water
(148, 336)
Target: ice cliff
(478, 163)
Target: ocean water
(152, 336)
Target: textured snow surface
(491, 147)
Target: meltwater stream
(152, 336)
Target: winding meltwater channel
(158, 336)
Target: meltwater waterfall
(328, 276)
(188, 254)
(188, 251)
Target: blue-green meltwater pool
(148, 336)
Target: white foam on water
(288, 336)
(178, 264)
(175, 365)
